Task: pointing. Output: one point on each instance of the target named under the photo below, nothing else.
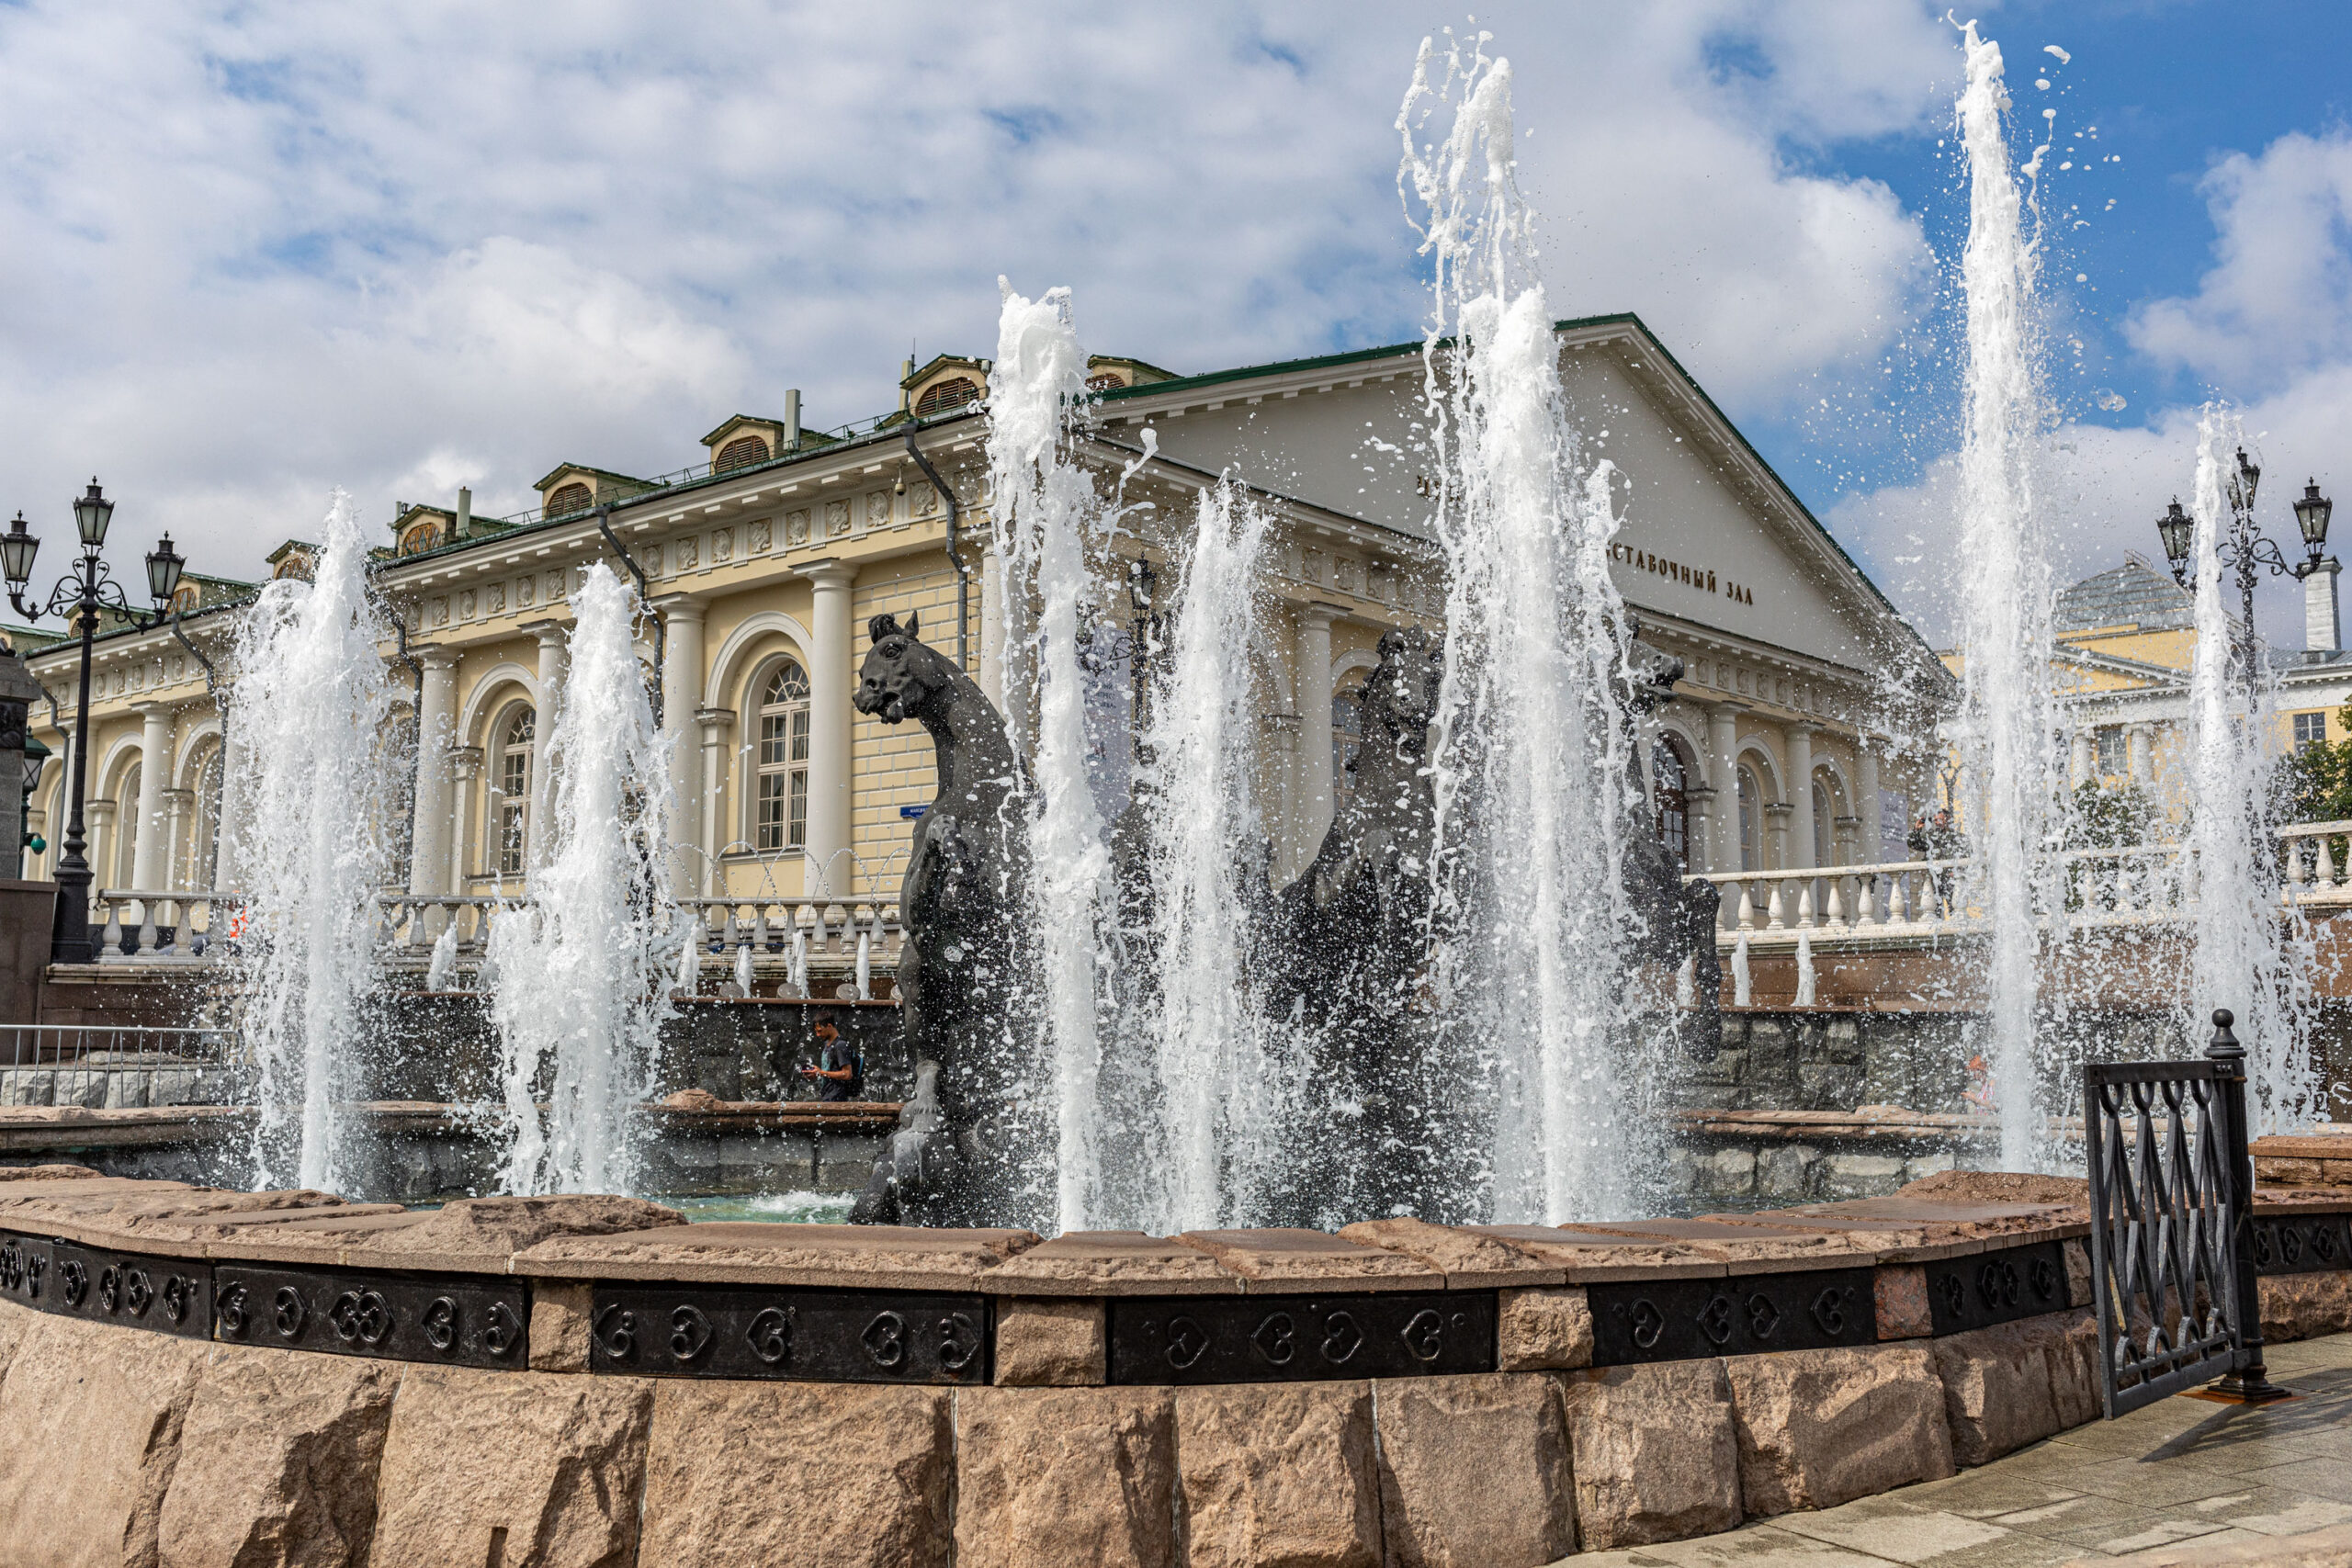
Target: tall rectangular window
(2114, 752)
(2310, 730)
(781, 801)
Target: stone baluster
(1866, 900)
(1835, 914)
(836, 929)
(111, 941)
(1744, 919)
(1806, 920)
(2324, 847)
(760, 936)
(1898, 900)
(1776, 906)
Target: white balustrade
(157, 926)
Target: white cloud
(249, 252)
(2277, 302)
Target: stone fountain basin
(193, 1373)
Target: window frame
(792, 715)
(506, 813)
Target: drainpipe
(644, 597)
(955, 556)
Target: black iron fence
(2173, 1237)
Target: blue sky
(249, 250)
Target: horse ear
(881, 626)
(914, 620)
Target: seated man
(841, 1067)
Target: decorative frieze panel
(455, 1320)
(1205, 1339)
(816, 1336)
(2301, 1244)
(1986, 1288)
(1682, 1320)
(169, 1296)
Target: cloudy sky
(252, 250)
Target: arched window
(294, 564)
(1823, 821)
(952, 393)
(1347, 738)
(426, 536)
(185, 598)
(1752, 823)
(204, 848)
(740, 453)
(126, 832)
(1673, 780)
(510, 795)
(1105, 381)
(781, 801)
(569, 498)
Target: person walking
(841, 1066)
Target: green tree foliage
(2317, 783)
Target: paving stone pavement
(2180, 1469)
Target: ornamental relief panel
(763, 533)
(722, 545)
(522, 587)
(686, 553)
(465, 606)
(836, 518)
(795, 528)
(497, 597)
(877, 509)
(441, 612)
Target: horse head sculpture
(903, 676)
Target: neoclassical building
(1790, 740)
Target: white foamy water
(314, 718)
(1534, 769)
(580, 995)
(2014, 780)
(1219, 1096)
(2246, 957)
(1039, 507)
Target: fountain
(580, 992)
(315, 707)
(2016, 794)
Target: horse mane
(880, 627)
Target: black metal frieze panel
(169, 1296)
(816, 1336)
(2301, 1244)
(455, 1320)
(1683, 1320)
(1987, 1288)
(1203, 1339)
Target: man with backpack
(840, 1071)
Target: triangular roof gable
(562, 471)
(738, 423)
(1337, 431)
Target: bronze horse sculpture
(964, 963)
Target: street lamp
(88, 588)
(2246, 551)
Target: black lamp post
(79, 596)
(2246, 551)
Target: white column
(1799, 737)
(2139, 738)
(179, 810)
(552, 661)
(97, 818)
(833, 656)
(715, 723)
(1723, 777)
(1699, 828)
(991, 676)
(428, 858)
(150, 850)
(2323, 633)
(1775, 847)
(681, 679)
(465, 765)
(1313, 682)
(1869, 807)
(2078, 761)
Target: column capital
(1800, 728)
(151, 708)
(830, 574)
(713, 719)
(464, 762)
(1781, 811)
(1699, 793)
(676, 607)
(1316, 612)
(437, 657)
(179, 798)
(548, 632)
(1724, 707)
